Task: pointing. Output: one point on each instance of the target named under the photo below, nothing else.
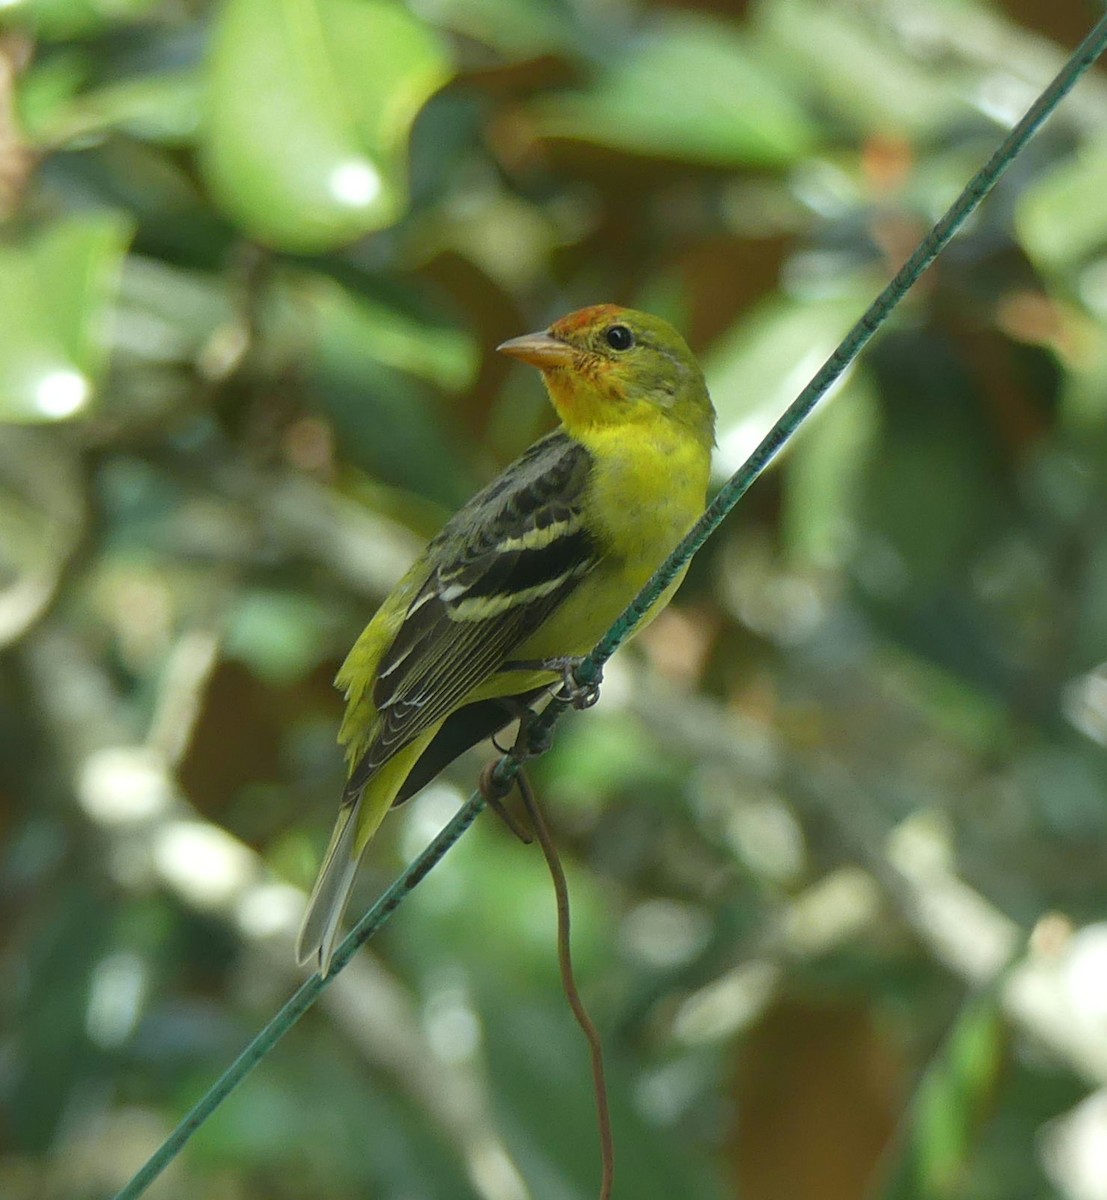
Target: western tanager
(525, 577)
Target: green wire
(589, 670)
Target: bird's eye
(618, 337)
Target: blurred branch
(1016, 56)
(912, 869)
(17, 160)
(44, 526)
(191, 662)
(367, 551)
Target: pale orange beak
(541, 350)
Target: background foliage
(837, 834)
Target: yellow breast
(647, 490)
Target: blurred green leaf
(1061, 218)
(688, 89)
(72, 18)
(822, 480)
(281, 635)
(46, 91)
(311, 103)
(592, 759)
(939, 499)
(329, 1119)
(517, 29)
(159, 108)
(440, 354)
(949, 1107)
(56, 296)
(378, 373)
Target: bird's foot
(572, 691)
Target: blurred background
(837, 833)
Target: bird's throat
(582, 394)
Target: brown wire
(568, 982)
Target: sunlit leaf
(56, 297)
(379, 374)
(311, 103)
(686, 89)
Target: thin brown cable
(568, 982)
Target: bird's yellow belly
(634, 549)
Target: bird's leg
(495, 793)
(529, 743)
(579, 695)
(534, 737)
(526, 745)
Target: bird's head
(607, 365)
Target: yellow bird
(526, 577)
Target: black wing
(498, 569)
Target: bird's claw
(572, 691)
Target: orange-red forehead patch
(583, 319)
